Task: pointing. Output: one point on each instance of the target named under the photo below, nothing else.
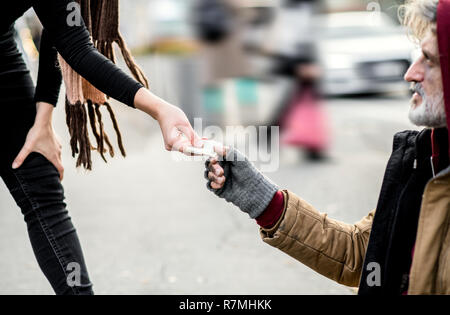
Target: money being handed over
(209, 149)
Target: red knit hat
(443, 32)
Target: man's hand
(216, 174)
(42, 139)
(237, 180)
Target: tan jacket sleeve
(332, 248)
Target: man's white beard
(431, 113)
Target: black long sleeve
(49, 75)
(74, 45)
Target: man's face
(427, 103)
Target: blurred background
(328, 73)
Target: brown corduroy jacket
(337, 250)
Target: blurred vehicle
(362, 52)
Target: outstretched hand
(215, 172)
(235, 179)
(176, 129)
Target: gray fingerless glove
(245, 186)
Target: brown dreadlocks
(83, 100)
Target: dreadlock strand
(117, 129)
(101, 145)
(136, 71)
(70, 119)
(109, 51)
(112, 54)
(96, 12)
(83, 100)
(78, 137)
(108, 143)
(104, 136)
(85, 6)
(93, 122)
(68, 114)
(84, 138)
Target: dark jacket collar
(424, 147)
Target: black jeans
(35, 186)
(37, 190)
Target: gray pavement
(148, 225)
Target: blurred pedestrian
(401, 247)
(304, 123)
(220, 29)
(302, 119)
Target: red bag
(306, 123)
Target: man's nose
(415, 72)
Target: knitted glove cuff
(246, 187)
(261, 193)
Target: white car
(363, 52)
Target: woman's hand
(172, 121)
(176, 129)
(42, 139)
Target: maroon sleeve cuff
(273, 212)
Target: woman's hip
(16, 119)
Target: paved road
(148, 225)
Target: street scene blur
(328, 74)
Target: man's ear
(434, 30)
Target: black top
(74, 45)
